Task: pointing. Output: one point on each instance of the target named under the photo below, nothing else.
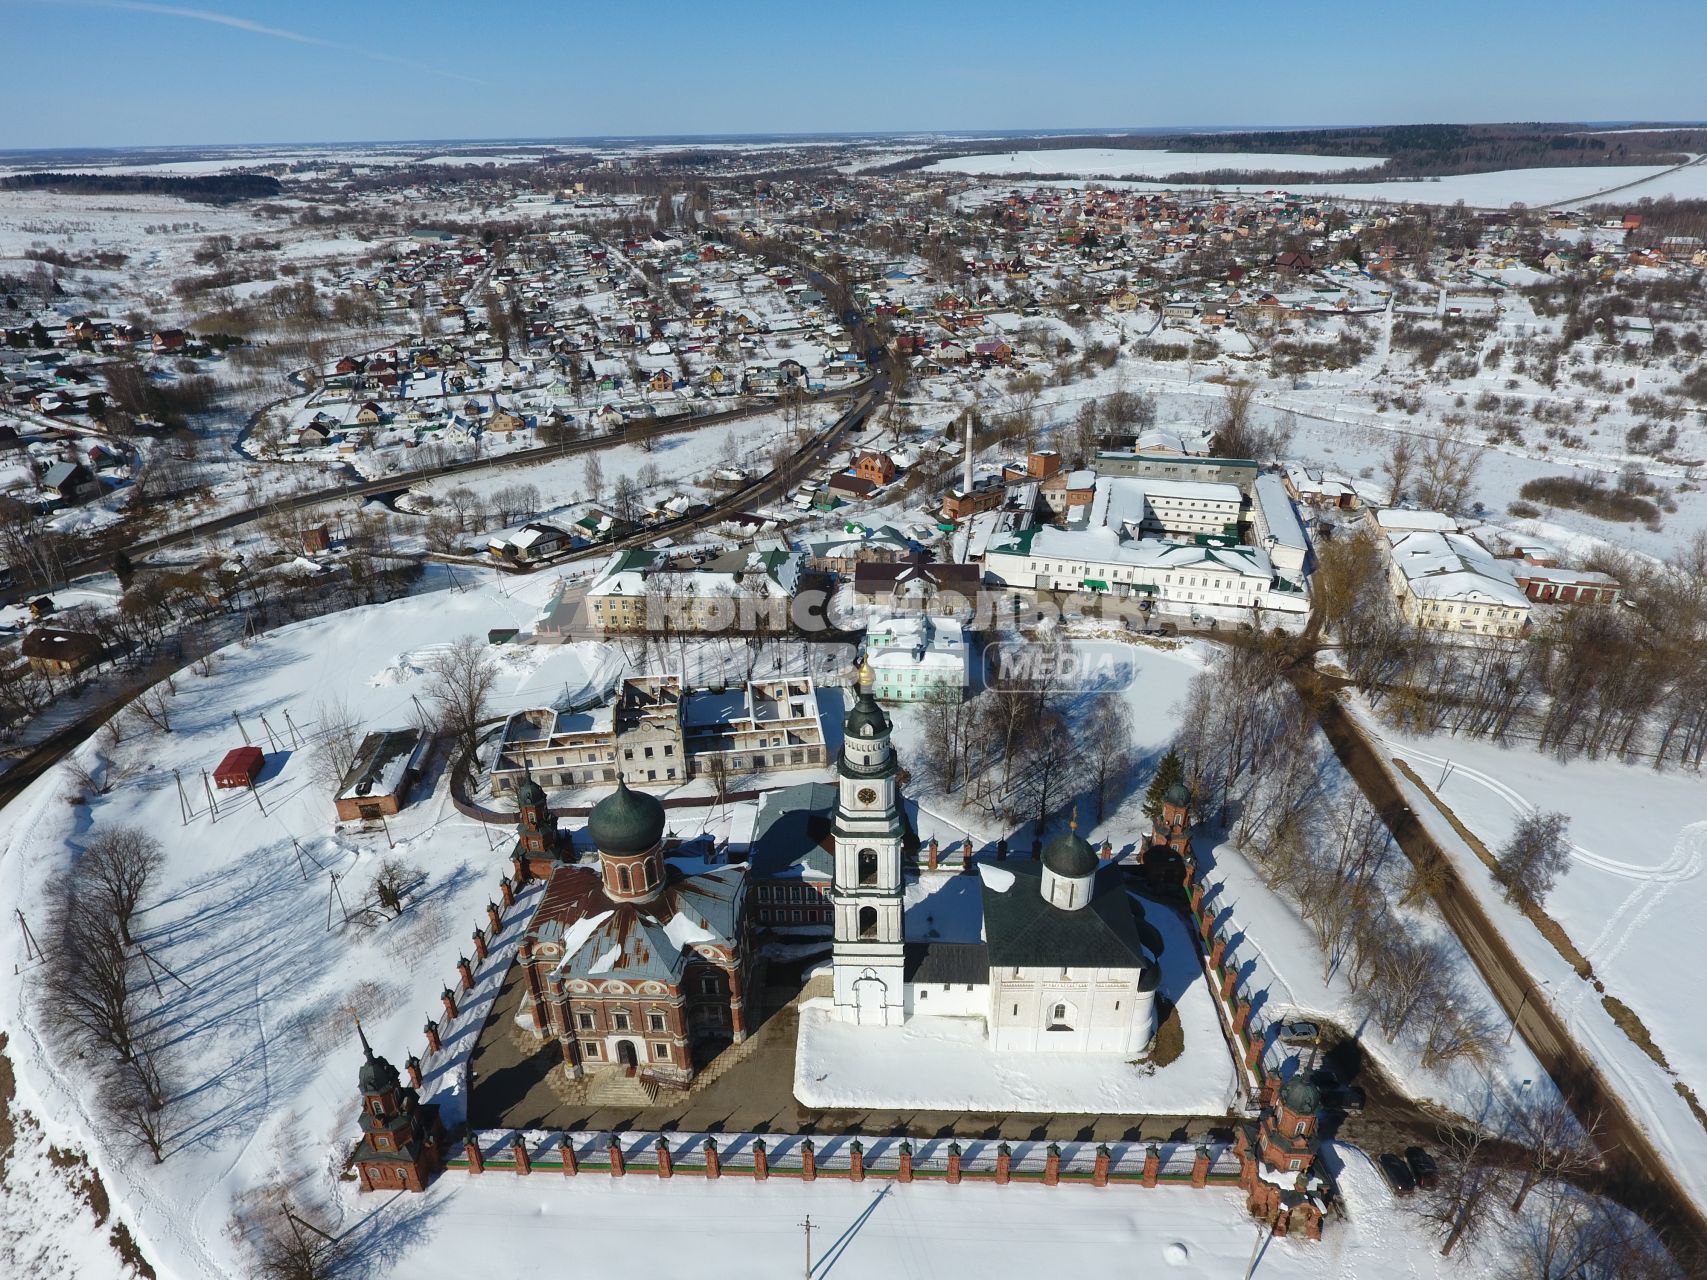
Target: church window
(925, 995)
(619, 1020)
(655, 1022)
(646, 874)
(1117, 1006)
(623, 880)
(589, 1048)
(868, 922)
(1303, 1127)
(709, 984)
(584, 1021)
(794, 916)
(1016, 1011)
(651, 775)
(648, 753)
(660, 1050)
(628, 753)
(1294, 1163)
(669, 750)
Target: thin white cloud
(274, 33)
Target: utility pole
(32, 948)
(808, 1226)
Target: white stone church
(1060, 965)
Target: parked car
(1397, 1173)
(1423, 1167)
(1299, 1034)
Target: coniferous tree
(1168, 772)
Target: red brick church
(634, 965)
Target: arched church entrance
(627, 1056)
(869, 993)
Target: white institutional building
(1061, 963)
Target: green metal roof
(1022, 930)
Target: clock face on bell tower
(866, 796)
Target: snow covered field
(1121, 162)
(260, 1046)
(470, 1226)
(1629, 902)
(1497, 189)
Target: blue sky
(122, 72)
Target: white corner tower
(869, 940)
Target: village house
(58, 652)
(377, 783)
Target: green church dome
(867, 719)
(1301, 1097)
(626, 821)
(1071, 855)
(530, 793)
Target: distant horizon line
(849, 135)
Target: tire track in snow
(1684, 862)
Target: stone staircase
(620, 1089)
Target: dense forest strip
(216, 188)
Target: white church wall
(1106, 1013)
(948, 1000)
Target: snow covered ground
(259, 1046)
(465, 1226)
(1497, 189)
(1283, 964)
(946, 1064)
(1121, 162)
(1629, 902)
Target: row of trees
(1258, 765)
(95, 982)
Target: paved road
(1635, 1173)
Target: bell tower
(866, 894)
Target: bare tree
(117, 868)
(1533, 859)
(1399, 466)
(394, 880)
(1560, 1147)
(593, 478)
(134, 1104)
(88, 994)
(1107, 738)
(461, 690)
(1470, 1186)
(337, 738)
(153, 706)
